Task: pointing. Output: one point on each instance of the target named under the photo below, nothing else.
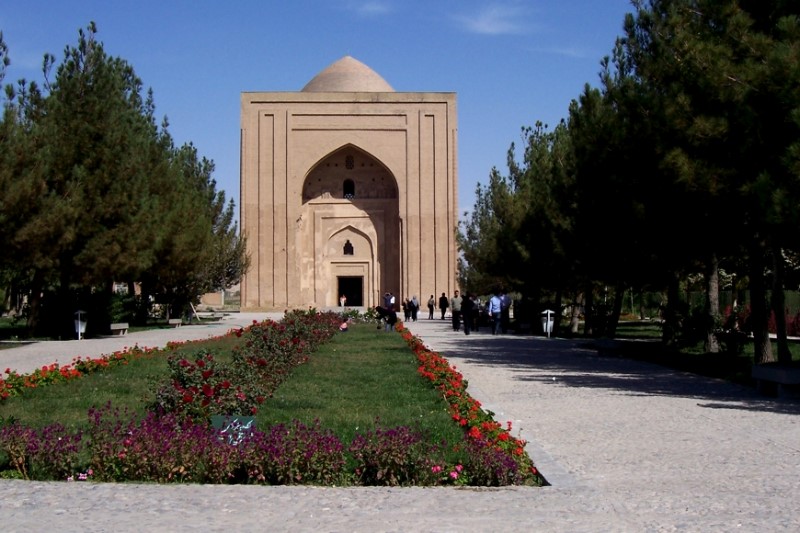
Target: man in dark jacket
(443, 304)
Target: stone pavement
(627, 446)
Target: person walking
(431, 307)
(443, 303)
(467, 308)
(455, 309)
(494, 308)
(505, 311)
(414, 308)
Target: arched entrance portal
(350, 238)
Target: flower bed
(174, 442)
(487, 439)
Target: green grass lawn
(359, 377)
(363, 375)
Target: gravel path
(627, 446)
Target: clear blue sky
(511, 62)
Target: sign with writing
(233, 428)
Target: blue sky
(511, 62)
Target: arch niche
(352, 245)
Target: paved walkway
(627, 446)
(30, 356)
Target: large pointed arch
(349, 173)
(351, 201)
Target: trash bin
(548, 317)
(80, 323)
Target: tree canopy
(93, 191)
(685, 157)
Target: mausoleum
(348, 187)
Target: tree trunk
(576, 313)
(613, 320)
(34, 308)
(759, 318)
(778, 302)
(712, 304)
(670, 315)
(588, 311)
(559, 302)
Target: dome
(348, 75)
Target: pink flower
(454, 474)
(436, 469)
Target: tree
(517, 233)
(726, 73)
(94, 192)
(199, 247)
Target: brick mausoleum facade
(348, 187)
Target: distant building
(347, 188)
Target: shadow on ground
(578, 363)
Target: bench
(174, 322)
(120, 328)
(774, 379)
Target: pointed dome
(348, 75)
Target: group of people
(464, 311)
(410, 308)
